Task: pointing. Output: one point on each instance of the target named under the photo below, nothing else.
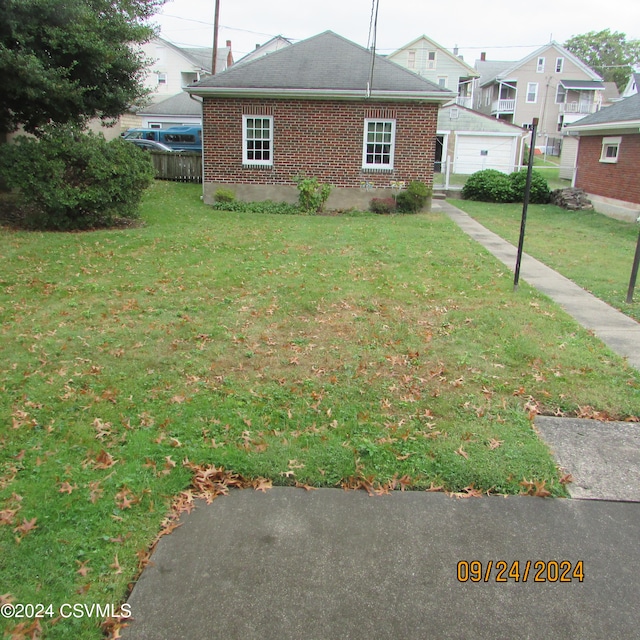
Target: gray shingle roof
(179, 105)
(326, 64)
(627, 110)
(489, 69)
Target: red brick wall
(619, 180)
(322, 139)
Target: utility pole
(214, 55)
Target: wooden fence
(178, 166)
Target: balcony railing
(465, 101)
(503, 106)
(578, 107)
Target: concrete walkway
(619, 332)
(329, 564)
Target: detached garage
(471, 141)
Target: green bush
(224, 195)
(74, 180)
(312, 195)
(414, 198)
(491, 185)
(488, 185)
(540, 192)
(382, 205)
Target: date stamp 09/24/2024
(549, 571)
(517, 571)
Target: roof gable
(470, 120)
(324, 65)
(508, 73)
(467, 68)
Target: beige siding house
(550, 84)
(427, 58)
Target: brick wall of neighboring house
(617, 180)
(317, 138)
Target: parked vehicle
(149, 145)
(178, 138)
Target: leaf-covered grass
(324, 350)
(594, 251)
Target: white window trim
(540, 65)
(376, 166)
(535, 99)
(611, 142)
(559, 65)
(250, 162)
(445, 79)
(558, 88)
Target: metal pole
(525, 206)
(214, 55)
(634, 271)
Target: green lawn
(375, 351)
(594, 251)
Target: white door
(477, 152)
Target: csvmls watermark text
(66, 610)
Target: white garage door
(474, 153)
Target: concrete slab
(602, 457)
(333, 564)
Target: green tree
(608, 53)
(67, 62)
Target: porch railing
(503, 106)
(577, 107)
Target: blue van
(178, 138)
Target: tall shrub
(76, 180)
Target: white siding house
(432, 61)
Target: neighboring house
(275, 44)
(433, 62)
(550, 84)
(357, 122)
(609, 157)
(175, 111)
(473, 141)
(633, 86)
(569, 152)
(174, 68)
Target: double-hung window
(379, 144)
(532, 92)
(257, 140)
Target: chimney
(483, 56)
(455, 50)
(257, 46)
(229, 54)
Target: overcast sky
(506, 30)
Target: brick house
(609, 157)
(318, 109)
